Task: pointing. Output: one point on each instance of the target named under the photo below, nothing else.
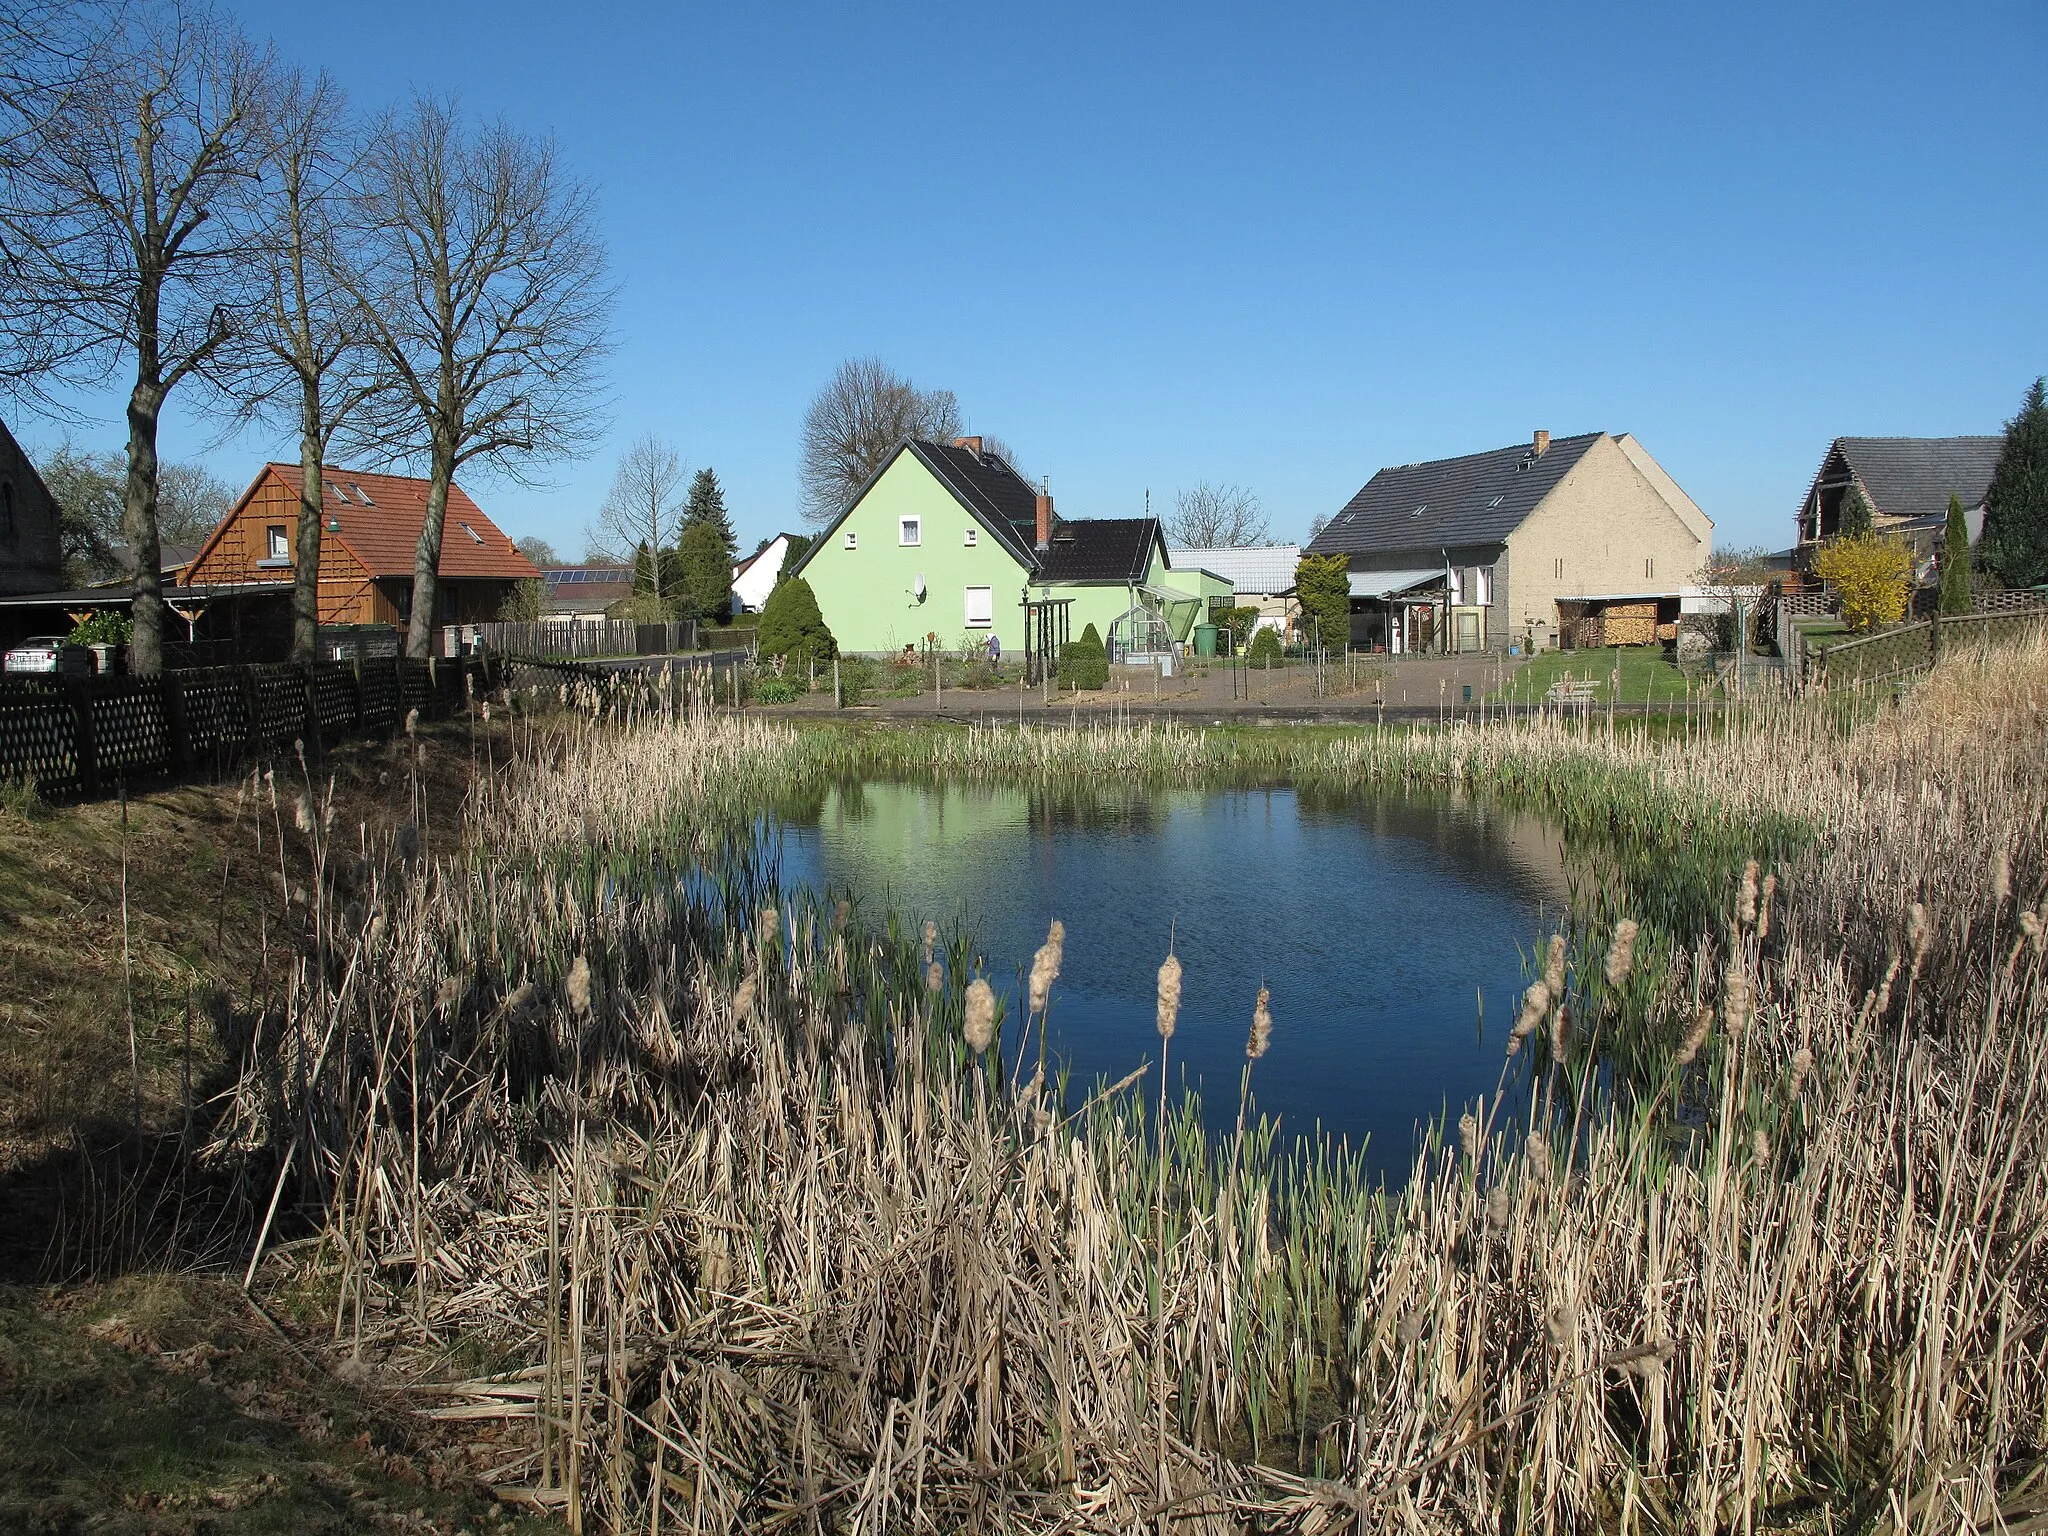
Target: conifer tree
(1955, 560)
(2014, 546)
(706, 571)
(707, 505)
(1855, 518)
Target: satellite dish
(917, 586)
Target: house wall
(1494, 630)
(1604, 520)
(752, 586)
(31, 549)
(866, 594)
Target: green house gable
(913, 557)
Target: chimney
(1541, 444)
(971, 444)
(1044, 520)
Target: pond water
(1391, 929)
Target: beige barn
(1572, 540)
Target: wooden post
(838, 699)
(78, 691)
(252, 734)
(311, 734)
(177, 734)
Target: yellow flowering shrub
(1871, 573)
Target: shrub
(525, 603)
(1955, 560)
(1083, 662)
(103, 628)
(792, 626)
(643, 608)
(1873, 576)
(1237, 621)
(769, 689)
(1265, 651)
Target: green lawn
(1645, 674)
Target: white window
(909, 530)
(1457, 585)
(1479, 590)
(852, 539)
(279, 549)
(973, 537)
(981, 609)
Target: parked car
(51, 653)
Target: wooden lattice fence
(81, 736)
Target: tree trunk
(426, 560)
(312, 513)
(138, 525)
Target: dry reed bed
(766, 1241)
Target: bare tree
(1216, 517)
(303, 357)
(488, 305)
(537, 549)
(643, 508)
(133, 226)
(52, 54)
(854, 424)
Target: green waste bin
(1205, 639)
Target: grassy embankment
(738, 1201)
(154, 1398)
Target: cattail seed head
(743, 999)
(1559, 1033)
(1562, 1325)
(1736, 998)
(1468, 1136)
(1763, 915)
(1621, 954)
(1409, 1330)
(1917, 934)
(579, 985)
(980, 1023)
(767, 930)
(1536, 1152)
(1696, 1037)
(1745, 901)
(1553, 966)
(1802, 1064)
(405, 842)
(1169, 996)
(302, 813)
(1262, 1027)
(487, 711)
(1497, 1205)
(2001, 878)
(412, 721)
(1760, 1145)
(931, 939)
(934, 976)
(2030, 925)
(1535, 1004)
(1045, 966)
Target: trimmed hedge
(1083, 662)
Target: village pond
(1394, 930)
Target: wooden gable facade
(372, 526)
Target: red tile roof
(384, 534)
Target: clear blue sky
(1154, 245)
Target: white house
(754, 577)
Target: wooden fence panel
(83, 735)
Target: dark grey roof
(1007, 503)
(1117, 549)
(1476, 499)
(1915, 476)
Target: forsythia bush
(1872, 574)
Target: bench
(1573, 690)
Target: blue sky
(1152, 245)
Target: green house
(946, 542)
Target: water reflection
(1384, 924)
